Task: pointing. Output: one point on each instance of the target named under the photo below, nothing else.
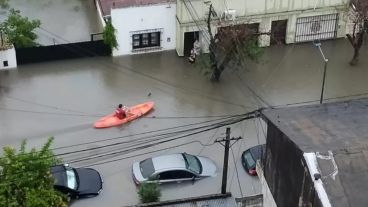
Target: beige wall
(255, 11)
(251, 7)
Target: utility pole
(318, 44)
(226, 158)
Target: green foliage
(252, 49)
(26, 180)
(149, 192)
(203, 62)
(109, 35)
(19, 30)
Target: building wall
(99, 12)
(193, 14)
(10, 57)
(286, 172)
(129, 20)
(246, 8)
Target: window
(146, 40)
(147, 168)
(192, 163)
(175, 174)
(5, 63)
(71, 178)
(249, 159)
(136, 41)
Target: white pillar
(265, 27)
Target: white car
(173, 168)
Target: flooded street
(64, 98)
(62, 21)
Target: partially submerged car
(76, 182)
(250, 157)
(173, 168)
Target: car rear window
(147, 168)
(248, 157)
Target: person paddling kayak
(120, 112)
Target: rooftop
(107, 5)
(338, 134)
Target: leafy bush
(149, 192)
(109, 35)
(20, 30)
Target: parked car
(173, 168)
(250, 157)
(76, 182)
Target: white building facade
(287, 21)
(147, 26)
(8, 59)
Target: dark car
(250, 157)
(76, 182)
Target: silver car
(173, 168)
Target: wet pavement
(62, 21)
(64, 98)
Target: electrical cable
(158, 143)
(212, 125)
(153, 151)
(148, 132)
(236, 169)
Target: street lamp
(318, 44)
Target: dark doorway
(189, 39)
(278, 32)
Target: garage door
(316, 28)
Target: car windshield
(71, 178)
(192, 163)
(248, 157)
(147, 168)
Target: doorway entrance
(189, 39)
(278, 32)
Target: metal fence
(62, 51)
(316, 28)
(250, 201)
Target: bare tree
(359, 16)
(231, 43)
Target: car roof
(168, 162)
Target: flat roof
(107, 5)
(339, 128)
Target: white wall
(268, 200)
(127, 20)
(8, 55)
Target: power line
(236, 169)
(150, 138)
(143, 133)
(153, 151)
(161, 142)
(155, 144)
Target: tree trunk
(357, 44)
(355, 59)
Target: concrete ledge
(184, 200)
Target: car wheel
(68, 197)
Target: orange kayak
(134, 113)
